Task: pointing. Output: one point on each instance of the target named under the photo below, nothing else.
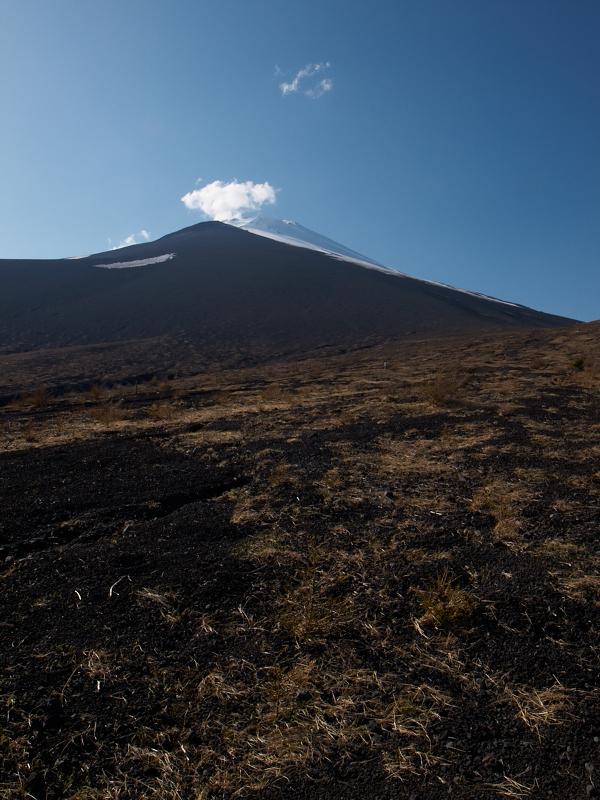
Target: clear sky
(455, 140)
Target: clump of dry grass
(96, 393)
(39, 398)
(15, 758)
(108, 412)
(307, 612)
(538, 707)
(582, 588)
(310, 608)
(30, 433)
(445, 389)
(281, 473)
(161, 411)
(223, 397)
(97, 665)
(268, 545)
(444, 604)
(537, 363)
(271, 392)
(502, 503)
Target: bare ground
(318, 580)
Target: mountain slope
(229, 292)
(288, 232)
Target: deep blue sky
(456, 140)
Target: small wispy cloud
(326, 85)
(225, 201)
(303, 76)
(131, 240)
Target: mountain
(236, 293)
(288, 232)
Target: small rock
(261, 674)
(36, 785)
(591, 791)
(303, 695)
(590, 767)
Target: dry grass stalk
(538, 707)
(161, 598)
(581, 588)
(508, 787)
(97, 664)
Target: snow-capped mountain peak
(288, 232)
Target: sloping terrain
(368, 576)
(229, 296)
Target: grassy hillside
(364, 576)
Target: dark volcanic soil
(340, 585)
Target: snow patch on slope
(141, 262)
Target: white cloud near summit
(131, 240)
(225, 201)
(300, 81)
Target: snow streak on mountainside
(140, 262)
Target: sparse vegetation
(445, 388)
(578, 364)
(385, 586)
(108, 412)
(96, 393)
(161, 411)
(39, 398)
